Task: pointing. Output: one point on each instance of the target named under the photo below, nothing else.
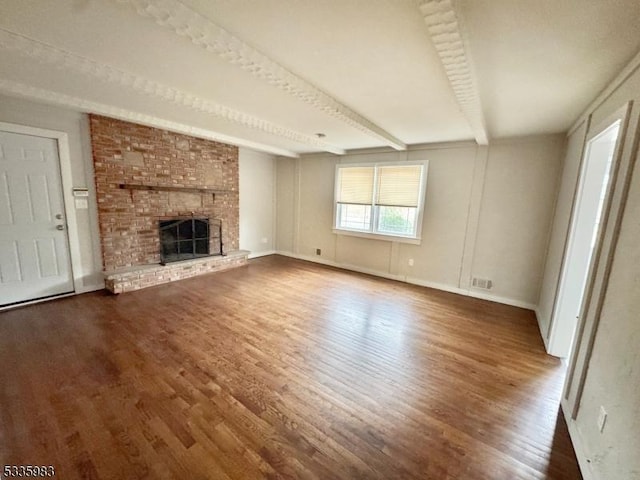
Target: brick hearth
(135, 278)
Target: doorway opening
(585, 227)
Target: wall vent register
(483, 283)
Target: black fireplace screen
(188, 238)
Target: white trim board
(545, 340)
(412, 281)
(261, 254)
(578, 445)
(499, 299)
(13, 306)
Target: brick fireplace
(145, 175)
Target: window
(380, 200)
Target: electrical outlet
(411, 262)
(318, 251)
(602, 418)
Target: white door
(34, 249)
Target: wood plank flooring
(281, 370)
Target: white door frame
(595, 289)
(557, 340)
(73, 235)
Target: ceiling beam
(63, 59)
(447, 36)
(202, 32)
(17, 89)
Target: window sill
(378, 236)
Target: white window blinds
(355, 185)
(399, 186)
(381, 199)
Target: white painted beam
(55, 98)
(204, 33)
(447, 37)
(63, 59)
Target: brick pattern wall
(125, 152)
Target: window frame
(373, 232)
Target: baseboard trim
(436, 286)
(545, 340)
(411, 280)
(90, 288)
(578, 445)
(261, 254)
(503, 300)
(26, 303)
(284, 253)
(346, 266)
(78, 291)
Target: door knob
(59, 227)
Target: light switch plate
(602, 418)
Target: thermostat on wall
(80, 192)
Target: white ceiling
(271, 74)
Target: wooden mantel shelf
(162, 188)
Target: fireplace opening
(186, 238)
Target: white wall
(613, 369)
(515, 219)
(257, 202)
(488, 213)
(286, 205)
(76, 126)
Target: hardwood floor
(282, 369)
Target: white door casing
(592, 189)
(34, 246)
(597, 283)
